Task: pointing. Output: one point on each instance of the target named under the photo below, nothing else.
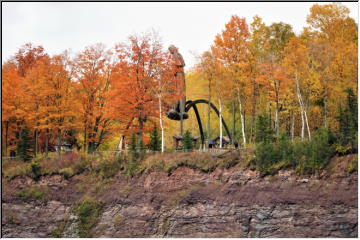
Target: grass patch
(88, 212)
(14, 168)
(33, 192)
(164, 228)
(100, 186)
(11, 218)
(62, 164)
(126, 188)
(204, 162)
(176, 198)
(106, 166)
(68, 165)
(118, 220)
(67, 172)
(58, 232)
(353, 165)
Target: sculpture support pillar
(181, 117)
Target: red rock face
(189, 203)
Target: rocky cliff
(234, 202)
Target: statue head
(172, 49)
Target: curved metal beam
(190, 104)
(200, 125)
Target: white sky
(189, 26)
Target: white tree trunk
(161, 126)
(120, 146)
(242, 121)
(277, 120)
(302, 110)
(220, 124)
(292, 128)
(302, 119)
(307, 124)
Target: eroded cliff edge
(234, 202)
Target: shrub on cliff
(267, 154)
(305, 156)
(353, 165)
(204, 162)
(88, 212)
(35, 170)
(67, 172)
(106, 167)
(33, 192)
(14, 168)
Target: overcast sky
(189, 26)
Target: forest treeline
(277, 81)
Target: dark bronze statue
(177, 108)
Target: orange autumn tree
(214, 72)
(14, 98)
(333, 45)
(27, 56)
(12, 106)
(275, 82)
(49, 94)
(36, 101)
(61, 98)
(94, 67)
(259, 44)
(208, 66)
(297, 63)
(278, 38)
(231, 47)
(141, 83)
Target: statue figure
(177, 108)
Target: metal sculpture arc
(192, 104)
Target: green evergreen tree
(347, 118)
(264, 132)
(132, 162)
(187, 141)
(286, 150)
(141, 149)
(133, 142)
(155, 143)
(321, 150)
(24, 147)
(141, 146)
